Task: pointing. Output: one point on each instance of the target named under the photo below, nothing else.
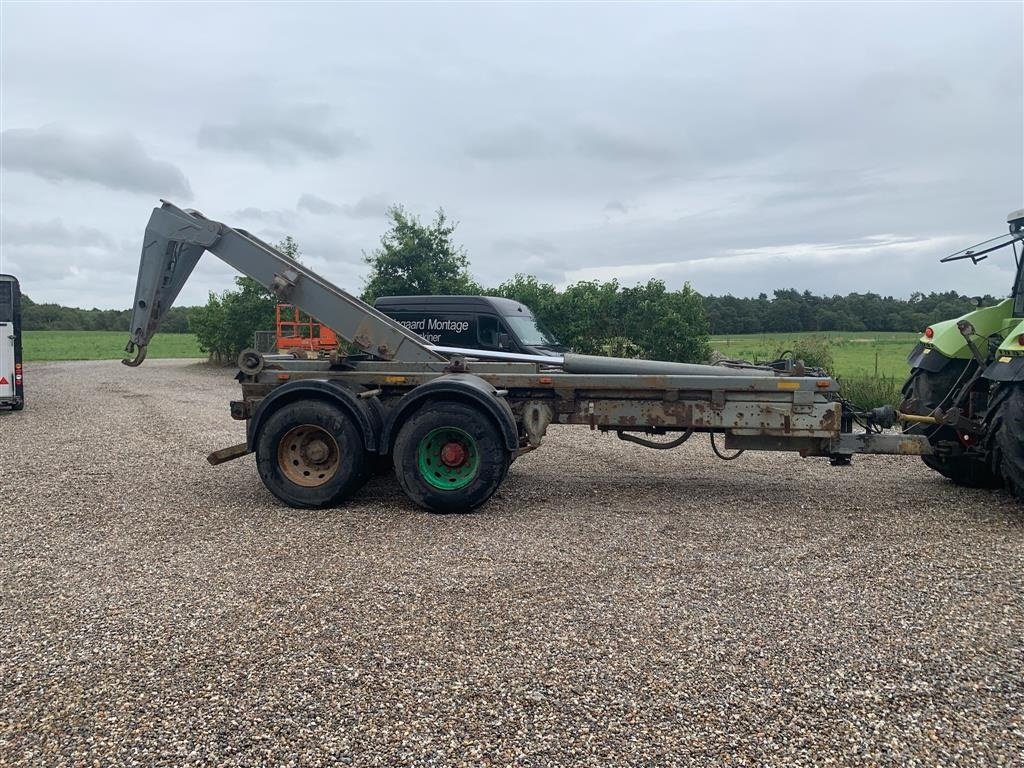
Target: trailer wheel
(309, 454)
(450, 457)
(930, 389)
(1006, 436)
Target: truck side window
(488, 328)
(6, 302)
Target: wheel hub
(453, 454)
(308, 455)
(316, 451)
(448, 458)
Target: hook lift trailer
(453, 420)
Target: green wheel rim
(448, 458)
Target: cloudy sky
(741, 147)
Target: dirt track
(611, 605)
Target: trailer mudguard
(464, 387)
(367, 413)
(927, 358)
(1006, 368)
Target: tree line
(592, 317)
(787, 310)
(56, 317)
(790, 310)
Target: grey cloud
(54, 233)
(282, 137)
(113, 160)
(532, 245)
(271, 235)
(372, 207)
(529, 256)
(599, 144)
(615, 206)
(283, 219)
(827, 186)
(893, 87)
(317, 205)
(507, 144)
(43, 253)
(589, 142)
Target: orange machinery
(298, 331)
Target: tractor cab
(999, 327)
(981, 251)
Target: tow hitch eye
(884, 416)
(875, 420)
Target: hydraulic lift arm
(176, 238)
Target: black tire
(377, 465)
(18, 406)
(290, 468)
(930, 389)
(489, 468)
(1005, 437)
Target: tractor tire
(310, 454)
(929, 389)
(450, 457)
(1006, 436)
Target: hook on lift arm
(139, 350)
(173, 243)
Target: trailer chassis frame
(401, 390)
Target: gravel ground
(610, 606)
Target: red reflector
(3, 380)
(928, 332)
(1020, 339)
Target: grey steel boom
(175, 240)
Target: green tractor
(966, 386)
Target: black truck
(472, 322)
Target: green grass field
(101, 345)
(855, 354)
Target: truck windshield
(529, 332)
